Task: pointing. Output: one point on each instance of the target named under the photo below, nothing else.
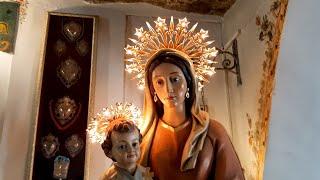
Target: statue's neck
(174, 116)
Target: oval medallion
(74, 145)
(69, 72)
(64, 112)
(49, 145)
(72, 30)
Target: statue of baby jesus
(122, 145)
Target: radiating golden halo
(177, 37)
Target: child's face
(125, 147)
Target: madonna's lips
(171, 97)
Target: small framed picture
(9, 18)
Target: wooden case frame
(37, 114)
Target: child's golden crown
(99, 124)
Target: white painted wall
(244, 98)
(18, 119)
(293, 148)
(5, 69)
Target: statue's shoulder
(216, 131)
(110, 174)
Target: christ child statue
(122, 145)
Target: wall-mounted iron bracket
(231, 64)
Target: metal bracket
(231, 64)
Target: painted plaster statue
(179, 140)
(122, 145)
(116, 130)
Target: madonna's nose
(169, 86)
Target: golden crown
(99, 124)
(177, 37)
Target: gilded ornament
(69, 72)
(60, 47)
(74, 144)
(72, 30)
(82, 47)
(49, 145)
(61, 167)
(64, 112)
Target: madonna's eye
(175, 79)
(159, 82)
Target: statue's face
(169, 84)
(125, 148)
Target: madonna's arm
(226, 165)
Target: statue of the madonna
(179, 140)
